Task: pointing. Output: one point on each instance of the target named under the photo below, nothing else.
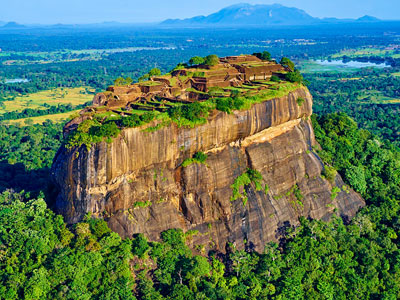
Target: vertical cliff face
(137, 183)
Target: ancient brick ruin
(192, 83)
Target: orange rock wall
(114, 180)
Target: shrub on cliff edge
(193, 112)
(90, 132)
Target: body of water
(16, 80)
(350, 64)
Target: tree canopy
(197, 60)
(286, 62)
(265, 55)
(211, 60)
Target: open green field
(376, 97)
(39, 120)
(74, 96)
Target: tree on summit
(211, 60)
(286, 62)
(295, 76)
(196, 60)
(265, 55)
(152, 72)
(120, 81)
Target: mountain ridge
(12, 25)
(368, 18)
(245, 14)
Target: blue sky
(134, 11)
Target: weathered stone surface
(139, 168)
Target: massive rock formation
(137, 184)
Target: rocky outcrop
(137, 183)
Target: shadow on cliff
(16, 178)
(283, 233)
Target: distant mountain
(13, 25)
(247, 14)
(368, 19)
(334, 20)
(258, 15)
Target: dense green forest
(26, 155)
(41, 258)
(370, 96)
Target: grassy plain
(39, 120)
(74, 96)
(376, 97)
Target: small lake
(16, 80)
(339, 65)
(350, 64)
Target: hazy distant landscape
(238, 15)
(93, 58)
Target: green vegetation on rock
(142, 204)
(297, 193)
(244, 180)
(190, 114)
(228, 104)
(334, 192)
(329, 173)
(275, 78)
(198, 157)
(90, 132)
(300, 101)
(136, 120)
(294, 76)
